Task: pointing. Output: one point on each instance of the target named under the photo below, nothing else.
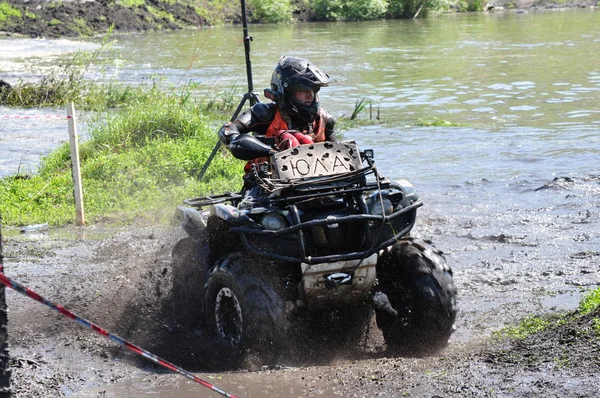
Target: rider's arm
(257, 119)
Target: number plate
(316, 160)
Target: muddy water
(512, 195)
(276, 384)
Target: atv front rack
(291, 192)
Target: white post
(78, 192)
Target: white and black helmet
(294, 74)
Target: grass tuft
(533, 324)
(8, 12)
(590, 302)
(141, 161)
(434, 122)
(359, 107)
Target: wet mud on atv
(317, 233)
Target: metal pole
(247, 40)
(4, 356)
(249, 96)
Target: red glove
(292, 138)
(286, 140)
(303, 139)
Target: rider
(293, 118)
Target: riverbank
(40, 18)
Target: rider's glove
(292, 138)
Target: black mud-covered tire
(246, 311)
(189, 267)
(419, 285)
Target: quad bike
(315, 229)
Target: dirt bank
(42, 18)
(120, 278)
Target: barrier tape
(146, 354)
(34, 117)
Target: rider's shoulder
(263, 112)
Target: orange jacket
(278, 124)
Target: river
(522, 88)
(509, 79)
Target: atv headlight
(273, 222)
(381, 206)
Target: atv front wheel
(418, 283)
(245, 310)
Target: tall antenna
(249, 96)
(247, 40)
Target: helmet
(294, 74)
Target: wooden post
(77, 190)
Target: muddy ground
(121, 279)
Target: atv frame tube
(299, 228)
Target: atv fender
(409, 193)
(232, 215)
(192, 221)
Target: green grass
(596, 325)
(533, 324)
(435, 122)
(7, 12)
(140, 162)
(590, 302)
(68, 83)
(216, 12)
(529, 325)
(160, 14)
(131, 3)
(359, 106)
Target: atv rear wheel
(246, 311)
(418, 283)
